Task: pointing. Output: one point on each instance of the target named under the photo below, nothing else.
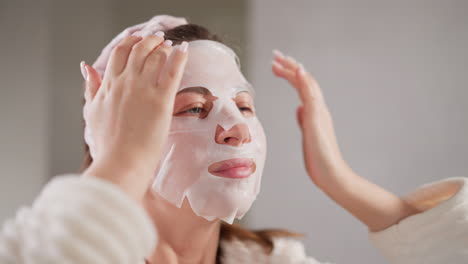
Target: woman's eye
(199, 112)
(245, 109)
(195, 110)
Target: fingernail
(84, 71)
(159, 34)
(167, 43)
(183, 47)
(278, 53)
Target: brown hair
(264, 238)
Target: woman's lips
(233, 168)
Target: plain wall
(24, 100)
(394, 76)
(40, 92)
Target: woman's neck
(183, 237)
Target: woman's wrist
(131, 175)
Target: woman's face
(216, 148)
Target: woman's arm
(429, 225)
(97, 218)
(374, 206)
(371, 204)
(78, 220)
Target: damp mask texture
(191, 146)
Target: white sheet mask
(192, 148)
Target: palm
(321, 152)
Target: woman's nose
(236, 136)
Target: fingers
(155, 62)
(294, 72)
(118, 59)
(171, 77)
(286, 61)
(93, 81)
(285, 67)
(142, 49)
(302, 86)
(282, 72)
(307, 87)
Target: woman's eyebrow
(196, 89)
(247, 95)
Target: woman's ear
(93, 81)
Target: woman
(208, 159)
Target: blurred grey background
(393, 73)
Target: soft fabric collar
(285, 251)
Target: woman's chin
(223, 206)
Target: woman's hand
(322, 155)
(373, 205)
(129, 112)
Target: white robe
(87, 220)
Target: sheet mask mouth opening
(238, 168)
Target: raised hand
(371, 204)
(322, 156)
(128, 113)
